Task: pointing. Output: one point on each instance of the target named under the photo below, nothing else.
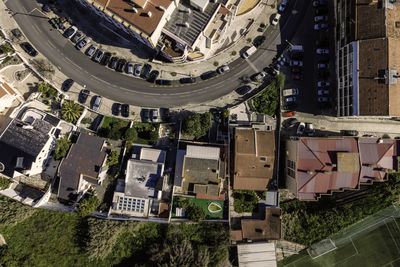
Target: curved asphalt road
(125, 89)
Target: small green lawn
(203, 204)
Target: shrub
(88, 205)
(130, 135)
(268, 100)
(62, 147)
(197, 125)
(71, 111)
(245, 201)
(4, 183)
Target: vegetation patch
(113, 128)
(62, 148)
(267, 102)
(71, 111)
(309, 222)
(147, 133)
(4, 183)
(199, 209)
(6, 48)
(245, 201)
(196, 125)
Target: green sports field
(375, 245)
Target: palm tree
(71, 111)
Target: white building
(140, 193)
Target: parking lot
(309, 65)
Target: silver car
(129, 68)
(137, 69)
(91, 50)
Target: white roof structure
(201, 4)
(257, 255)
(202, 152)
(154, 155)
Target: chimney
(311, 172)
(149, 14)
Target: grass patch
(4, 183)
(180, 201)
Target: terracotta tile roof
(254, 158)
(5, 89)
(147, 18)
(268, 228)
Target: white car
(223, 69)
(310, 129)
(322, 92)
(129, 68)
(323, 99)
(322, 83)
(320, 26)
(283, 5)
(297, 63)
(322, 51)
(276, 19)
(301, 128)
(320, 18)
(260, 76)
(322, 66)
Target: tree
(267, 101)
(130, 135)
(88, 205)
(62, 147)
(71, 111)
(47, 90)
(197, 125)
(113, 158)
(244, 201)
(195, 213)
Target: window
(291, 168)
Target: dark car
(83, 96)
(187, 80)
(91, 50)
(259, 40)
(163, 82)
(82, 43)
(146, 71)
(46, 8)
(68, 33)
(116, 109)
(242, 90)
(98, 56)
(67, 84)
(323, 74)
(60, 23)
(125, 110)
(297, 77)
(106, 59)
(322, 10)
(121, 65)
(146, 115)
(28, 48)
(290, 122)
(53, 23)
(295, 70)
(208, 75)
(153, 76)
(113, 63)
(17, 33)
(349, 132)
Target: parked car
(106, 59)
(259, 40)
(208, 75)
(317, 3)
(145, 115)
(83, 96)
(322, 92)
(309, 129)
(96, 102)
(129, 68)
(98, 56)
(28, 48)
(283, 5)
(116, 109)
(67, 84)
(222, 69)
(125, 110)
(154, 115)
(323, 83)
(323, 74)
(290, 100)
(53, 23)
(349, 132)
(320, 26)
(163, 82)
(91, 50)
(46, 8)
(322, 51)
(145, 74)
(242, 90)
(113, 63)
(16, 33)
(259, 77)
(290, 122)
(77, 37)
(298, 63)
(295, 70)
(276, 19)
(60, 23)
(68, 33)
(322, 66)
(297, 76)
(187, 80)
(82, 43)
(320, 18)
(120, 65)
(323, 99)
(137, 69)
(153, 76)
(301, 128)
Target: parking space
(309, 62)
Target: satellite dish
(2, 167)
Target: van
(96, 103)
(249, 52)
(290, 92)
(296, 48)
